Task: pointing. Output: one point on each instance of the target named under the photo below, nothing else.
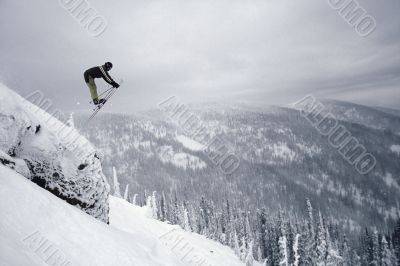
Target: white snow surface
(189, 143)
(180, 159)
(37, 228)
(43, 149)
(281, 150)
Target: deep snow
(35, 224)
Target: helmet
(108, 65)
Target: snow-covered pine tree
(300, 229)
(117, 190)
(232, 227)
(149, 207)
(302, 249)
(223, 219)
(236, 244)
(345, 252)
(220, 229)
(185, 218)
(262, 224)
(162, 209)
(250, 258)
(396, 240)
(229, 232)
(335, 236)
(290, 239)
(283, 248)
(126, 193)
(193, 219)
(282, 242)
(202, 222)
(168, 211)
(273, 253)
(259, 254)
(175, 209)
(243, 249)
(322, 246)
(388, 256)
(333, 257)
(355, 259)
(227, 222)
(213, 227)
(240, 225)
(213, 221)
(154, 205)
(134, 199)
(375, 249)
(296, 254)
(366, 248)
(310, 248)
(205, 216)
(248, 233)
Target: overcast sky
(261, 52)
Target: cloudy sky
(258, 52)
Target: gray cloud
(265, 52)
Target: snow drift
(37, 228)
(43, 149)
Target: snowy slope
(43, 149)
(190, 143)
(36, 224)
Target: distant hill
(373, 117)
(390, 111)
(283, 159)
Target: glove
(115, 84)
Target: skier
(98, 72)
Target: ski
(108, 94)
(99, 106)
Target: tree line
(281, 239)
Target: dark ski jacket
(98, 72)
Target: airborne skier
(98, 72)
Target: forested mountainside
(283, 160)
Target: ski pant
(92, 88)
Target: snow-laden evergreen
(284, 260)
(296, 258)
(250, 258)
(276, 240)
(126, 193)
(388, 256)
(117, 186)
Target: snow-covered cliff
(51, 154)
